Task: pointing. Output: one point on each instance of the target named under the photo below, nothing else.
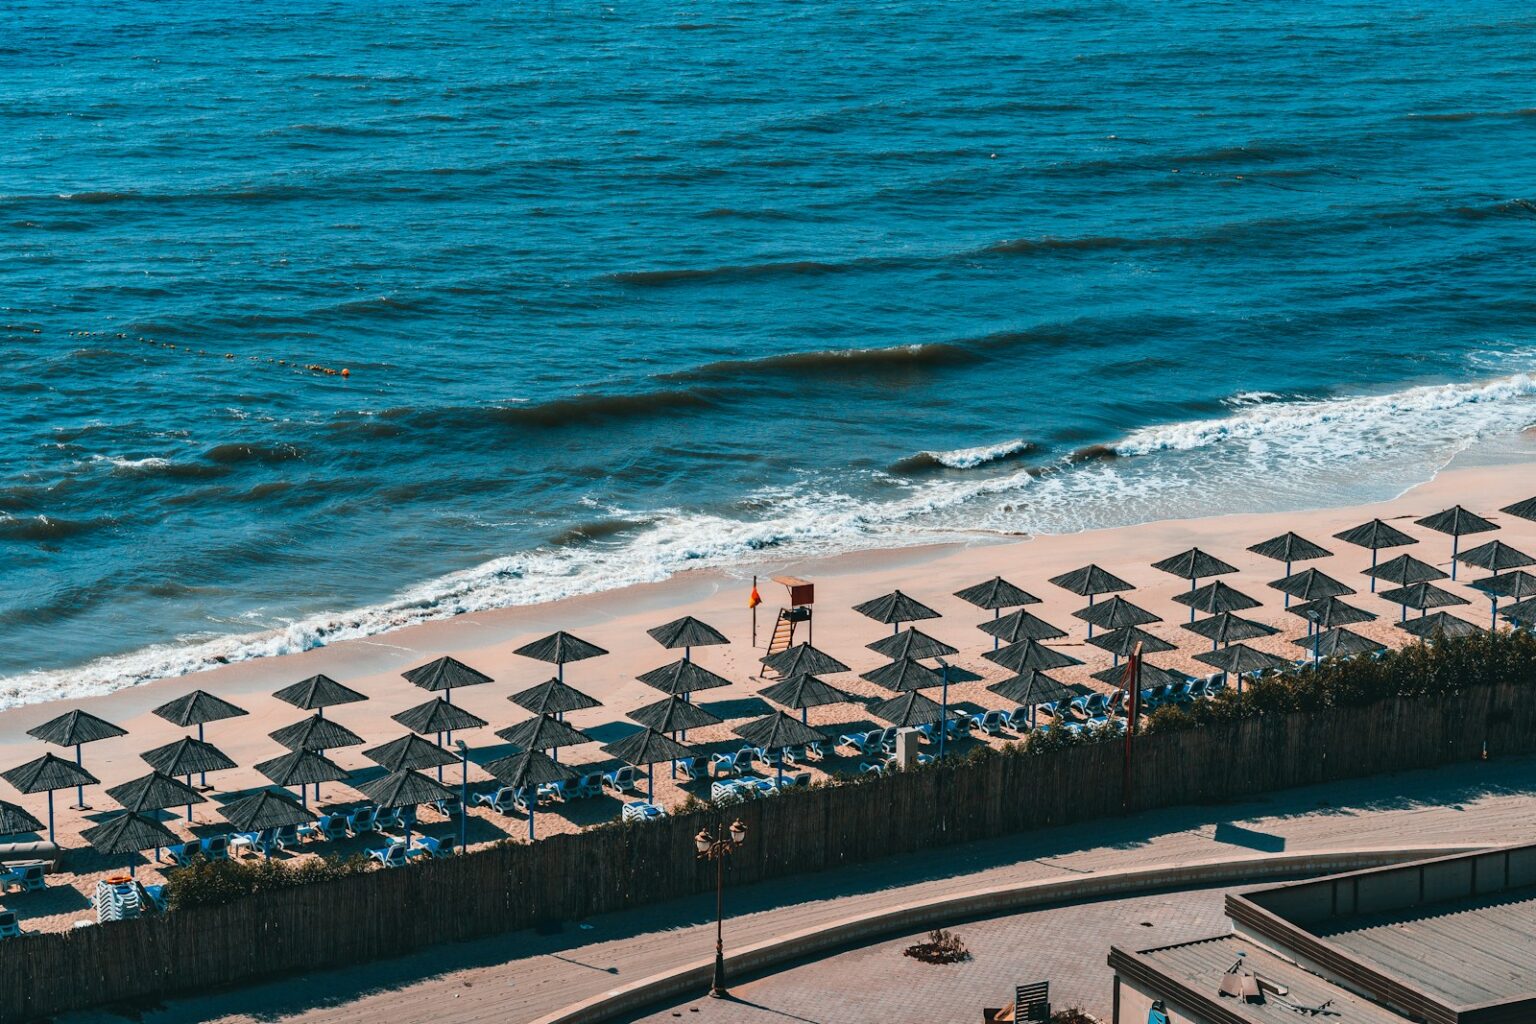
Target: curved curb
(923, 914)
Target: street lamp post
(464, 796)
(718, 850)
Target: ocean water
(624, 289)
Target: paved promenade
(525, 976)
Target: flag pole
(754, 612)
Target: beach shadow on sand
(1442, 787)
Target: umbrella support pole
(80, 804)
(51, 838)
(1455, 548)
(1373, 566)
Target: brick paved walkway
(526, 975)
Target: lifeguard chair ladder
(801, 595)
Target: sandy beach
(618, 620)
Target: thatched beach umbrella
(1122, 642)
(265, 810)
(444, 675)
(682, 677)
(187, 757)
(1375, 535)
(128, 833)
(803, 659)
(317, 734)
(155, 792)
(527, 771)
(1496, 557)
(1215, 598)
(687, 633)
(403, 789)
(1457, 522)
(1227, 628)
(302, 768)
(1521, 613)
(1422, 596)
(904, 674)
(1338, 642)
(894, 609)
(74, 729)
(1030, 654)
(552, 697)
(674, 715)
(559, 649)
(198, 708)
(1020, 625)
(1516, 586)
(437, 717)
(908, 710)
(1241, 660)
(409, 753)
(911, 643)
(1090, 581)
(1311, 585)
(1116, 613)
(1405, 571)
(1428, 627)
(16, 820)
(1030, 689)
(804, 691)
(318, 693)
(1151, 676)
(1523, 509)
(46, 775)
(1288, 548)
(644, 749)
(994, 595)
(1194, 565)
(777, 732)
(1330, 612)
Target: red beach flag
(756, 598)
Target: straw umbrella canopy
(804, 691)
(1457, 522)
(894, 609)
(155, 792)
(908, 710)
(1422, 596)
(128, 833)
(1289, 547)
(687, 633)
(1405, 571)
(302, 768)
(1227, 628)
(1375, 535)
(437, 717)
(264, 810)
(682, 677)
(1194, 565)
(1428, 627)
(1020, 625)
(527, 771)
(444, 675)
(316, 733)
(74, 729)
(552, 697)
(1241, 660)
(1522, 613)
(187, 757)
(560, 649)
(1523, 509)
(776, 732)
(911, 643)
(1338, 642)
(1330, 612)
(803, 659)
(1151, 675)
(1090, 581)
(643, 749)
(1215, 598)
(1518, 586)
(1122, 643)
(403, 789)
(1116, 613)
(674, 715)
(409, 753)
(318, 693)
(45, 775)
(1312, 585)
(994, 595)
(1495, 556)
(15, 820)
(1030, 689)
(904, 674)
(1030, 654)
(199, 708)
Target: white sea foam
(1274, 453)
(970, 458)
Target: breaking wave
(964, 458)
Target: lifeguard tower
(802, 593)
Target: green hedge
(207, 883)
